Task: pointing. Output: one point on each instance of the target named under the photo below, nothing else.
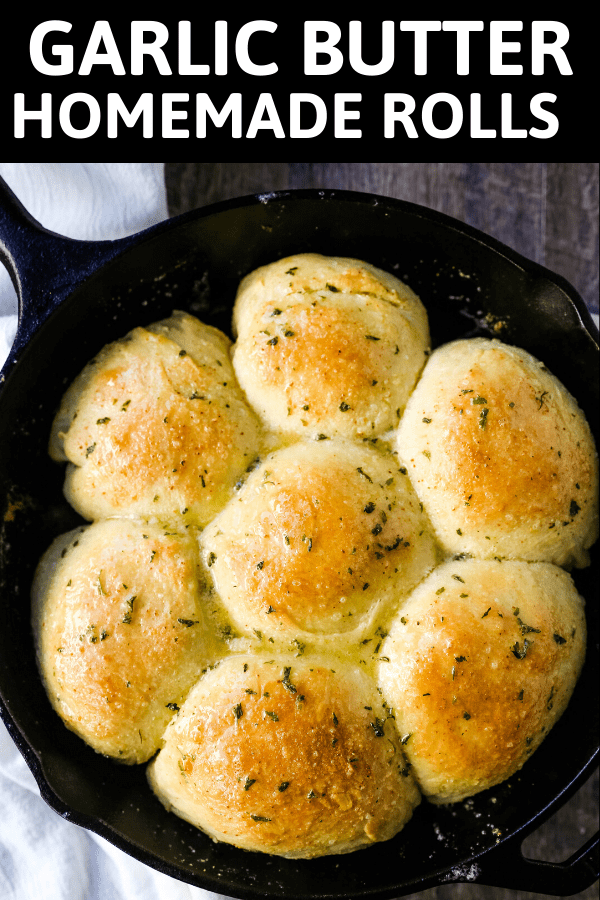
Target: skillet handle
(506, 867)
(44, 266)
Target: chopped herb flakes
(238, 712)
(129, 612)
(527, 629)
(521, 652)
(286, 680)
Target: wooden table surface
(546, 211)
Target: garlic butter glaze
(324, 702)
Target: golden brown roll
(501, 455)
(293, 757)
(156, 425)
(328, 345)
(321, 535)
(120, 632)
(478, 665)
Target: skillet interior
(470, 285)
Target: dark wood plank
(572, 226)
(190, 185)
(547, 211)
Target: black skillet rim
(462, 229)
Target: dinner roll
(478, 665)
(287, 756)
(155, 425)
(120, 632)
(321, 534)
(328, 345)
(501, 455)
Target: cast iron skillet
(75, 297)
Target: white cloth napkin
(42, 856)
(89, 201)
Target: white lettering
(540, 49)
(498, 47)
(463, 31)
(341, 115)
(427, 115)
(232, 107)
(476, 130)
(421, 29)
(63, 51)
(387, 50)
(44, 115)
(221, 48)
(391, 114)
(313, 47)
(64, 115)
(242, 52)
(266, 105)
(506, 128)
(545, 115)
(185, 66)
(169, 114)
(140, 47)
(101, 33)
(318, 104)
(116, 109)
